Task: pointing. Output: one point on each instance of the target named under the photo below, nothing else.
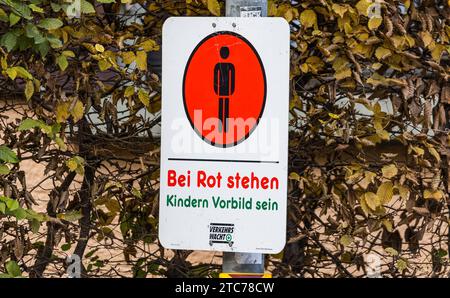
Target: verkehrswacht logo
(221, 233)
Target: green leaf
(35, 225)
(4, 170)
(70, 216)
(13, 19)
(29, 124)
(7, 155)
(346, 240)
(3, 16)
(12, 205)
(391, 251)
(2, 208)
(18, 71)
(50, 24)
(35, 8)
(60, 142)
(66, 246)
(13, 269)
(55, 42)
(106, 1)
(87, 7)
(43, 48)
(32, 31)
(62, 62)
(9, 41)
(19, 213)
(19, 7)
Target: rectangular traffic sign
(224, 137)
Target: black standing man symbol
(224, 82)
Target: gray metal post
(244, 262)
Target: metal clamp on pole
(244, 263)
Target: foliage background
(370, 94)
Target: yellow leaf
(403, 192)
(383, 134)
(144, 97)
(29, 90)
(388, 224)
(308, 18)
(339, 9)
(372, 200)
(149, 45)
(435, 154)
(382, 53)
(385, 192)
(433, 194)
(77, 111)
(411, 41)
(294, 176)
(289, 15)
(398, 41)
(312, 64)
(376, 66)
(214, 7)
(389, 171)
(129, 91)
(68, 54)
(436, 52)
(62, 112)
(407, 3)
(426, 37)
(334, 116)
(72, 165)
(418, 150)
(141, 60)
(4, 62)
(128, 57)
(12, 73)
(76, 164)
(99, 48)
(104, 64)
(364, 205)
(374, 23)
(363, 7)
(343, 73)
(304, 68)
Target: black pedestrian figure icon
(224, 82)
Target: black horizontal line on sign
(223, 160)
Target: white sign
(225, 104)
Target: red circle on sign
(224, 89)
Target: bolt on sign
(224, 136)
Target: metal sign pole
(244, 262)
